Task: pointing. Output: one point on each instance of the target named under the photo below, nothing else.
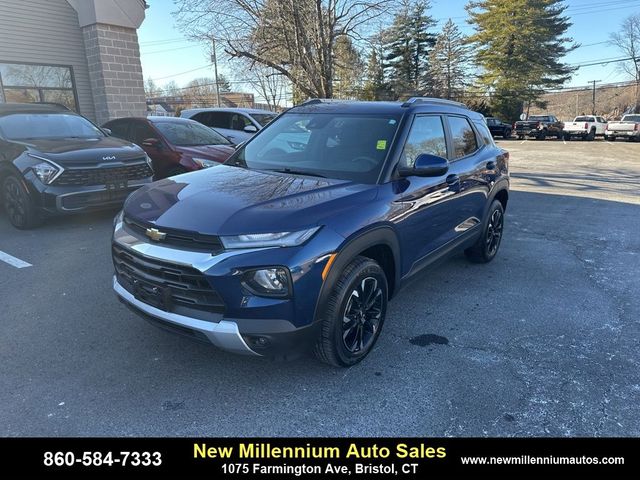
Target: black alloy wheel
(17, 204)
(486, 247)
(362, 316)
(353, 314)
(494, 232)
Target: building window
(37, 83)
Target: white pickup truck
(586, 127)
(628, 127)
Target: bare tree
(269, 83)
(627, 39)
(293, 37)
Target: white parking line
(564, 141)
(13, 261)
(609, 143)
(522, 142)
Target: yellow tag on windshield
(382, 145)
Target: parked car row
(585, 127)
(297, 241)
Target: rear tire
(507, 134)
(591, 136)
(486, 247)
(353, 315)
(18, 204)
(542, 135)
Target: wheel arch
(380, 244)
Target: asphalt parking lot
(544, 341)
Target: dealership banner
(310, 457)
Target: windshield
(538, 118)
(263, 118)
(584, 119)
(28, 126)
(341, 146)
(631, 118)
(190, 134)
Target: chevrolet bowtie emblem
(155, 234)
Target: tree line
(385, 50)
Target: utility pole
(214, 60)
(593, 104)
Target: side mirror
(151, 142)
(107, 131)
(250, 129)
(426, 165)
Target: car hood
(84, 151)
(218, 153)
(225, 200)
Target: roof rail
(315, 101)
(441, 101)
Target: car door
(422, 205)
(473, 161)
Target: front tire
(18, 204)
(507, 134)
(353, 316)
(486, 247)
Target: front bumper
(55, 199)
(246, 324)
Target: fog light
(269, 282)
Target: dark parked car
(277, 252)
(540, 127)
(175, 145)
(54, 161)
(498, 128)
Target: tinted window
(299, 143)
(119, 129)
(141, 132)
(190, 134)
(426, 136)
(538, 118)
(263, 118)
(41, 125)
(485, 133)
(214, 119)
(584, 119)
(463, 136)
(631, 118)
(238, 122)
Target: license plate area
(159, 297)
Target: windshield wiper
(295, 172)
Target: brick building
(82, 53)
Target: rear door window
(463, 137)
(119, 129)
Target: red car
(175, 145)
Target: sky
(167, 54)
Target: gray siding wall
(46, 32)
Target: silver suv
(237, 124)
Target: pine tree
(520, 46)
(407, 43)
(375, 87)
(348, 69)
(449, 62)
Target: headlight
(46, 170)
(204, 163)
(149, 161)
(268, 282)
(258, 240)
(118, 218)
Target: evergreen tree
(375, 87)
(348, 69)
(449, 62)
(520, 46)
(407, 43)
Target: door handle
(453, 180)
(491, 165)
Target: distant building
(174, 104)
(81, 53)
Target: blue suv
(301, 238)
